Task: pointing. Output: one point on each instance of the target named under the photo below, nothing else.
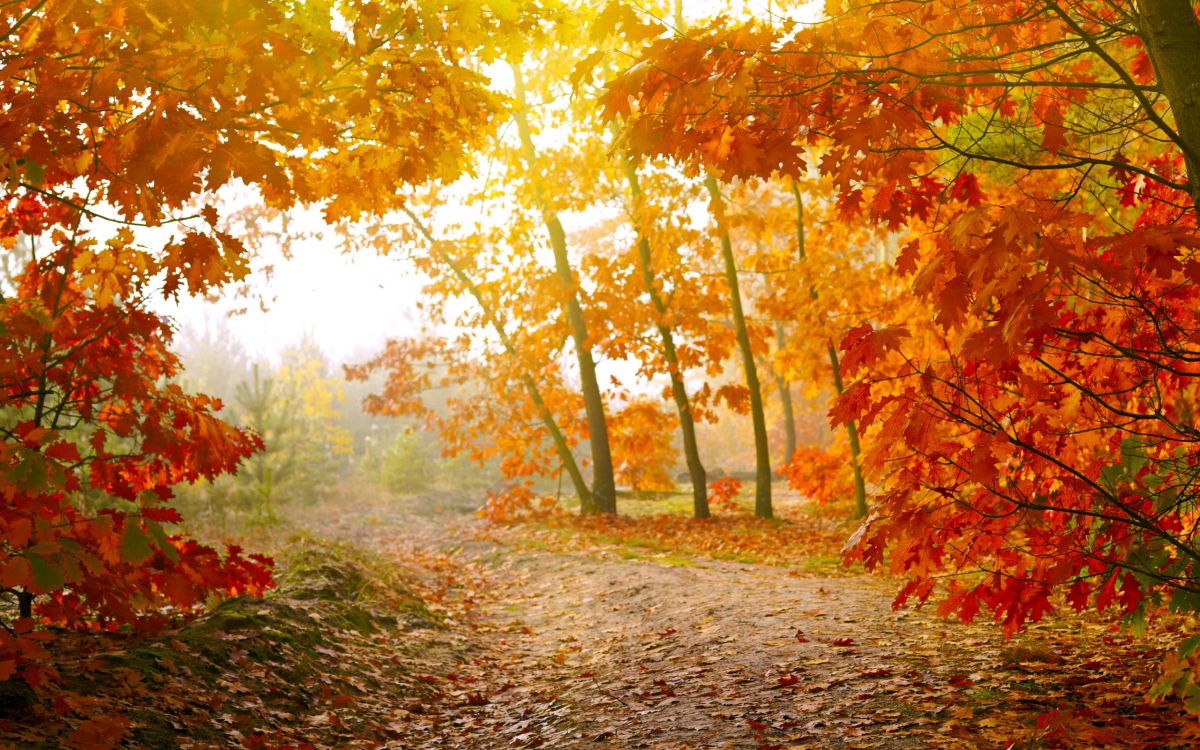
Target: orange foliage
(1036, 425)
(723, 492)
(133, 114)
(643, 446)
(821, 474)
(517, 502)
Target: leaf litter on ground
(422, 628)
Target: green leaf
(1188, 646)
(1163, 686)
(1110, 475)
(29, 471)
(1184, 601)
(1191, 699)
(45, 576)
(1135, 621)
(1133, 455)
(135, 545)
(160, 540)
(35, 174)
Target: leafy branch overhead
(131, 114)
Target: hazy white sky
(351, 304)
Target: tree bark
(762, 450)
(785, 400)
(1172, 36)
(604, 490)
(687, 424)
(860, 485)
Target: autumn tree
(1041, 160)
(118, 117)
(818, 276)
(517, 335)
(666, 334)
(601, 287)
(604, 490)
(762, 449)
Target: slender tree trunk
(784, 386)
(25, 603)
(762, 450)
(604, 489)
(587, 504)
(1172, 36)
(687, 424)
(561, 447)
(860, 486)
(785, 400)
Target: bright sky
(348, 304)
(351, 304)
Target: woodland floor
(412, 624)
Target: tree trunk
(565, 456)
(1172, 36)
(604, 490)
(687, 425)
(25, 603)
(860, 486)
(587, 503)
(762, 452)
(785, 400)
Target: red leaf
(907, 259)
(966, 188)
(162, 515)
(62, 451)
(16, 572)
(1131, 592)
(864, 345)
(1054, 135)
(99, 732)
(1077, 595)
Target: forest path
(592, 650)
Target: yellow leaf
(505, 10)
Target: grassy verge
(270, 668)
(658, 527)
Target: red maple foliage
(118, 116)
(1039, 427)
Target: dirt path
(409, 624)
(592, 650)
(681, 657)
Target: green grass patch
(1033, 687)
